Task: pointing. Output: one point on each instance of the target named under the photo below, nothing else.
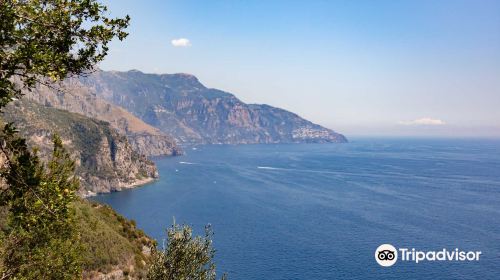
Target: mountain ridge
(181, 106)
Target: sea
(320, 211)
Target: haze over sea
(319, 211)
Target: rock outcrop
(105, 160)
(77, 98)
(181, 106)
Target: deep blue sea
(319, 211)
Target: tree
(41, 241)
(185, 257)
(41, 42)
(48, 40)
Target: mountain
(75, 97)
(179, 105)
(104, 158)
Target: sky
(374, 68)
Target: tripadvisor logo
(387, 255)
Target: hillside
(181, 106)
(113, 247)
(75, 97)
(105, 160)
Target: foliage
(110, 241)
(43, 41)
(52, 39)
(184, 257)
(41, 241)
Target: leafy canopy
(41, 240)
(43, 40)
(185, 257)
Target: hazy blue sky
(359, 67)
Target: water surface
(312, 211)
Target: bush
(184, 257)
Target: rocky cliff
(181, 106)
(105, 160)
(75, 97)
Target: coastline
(122, 186)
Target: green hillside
(112, 245)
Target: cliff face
(75, 97)
(105, 160)
(180, 105)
